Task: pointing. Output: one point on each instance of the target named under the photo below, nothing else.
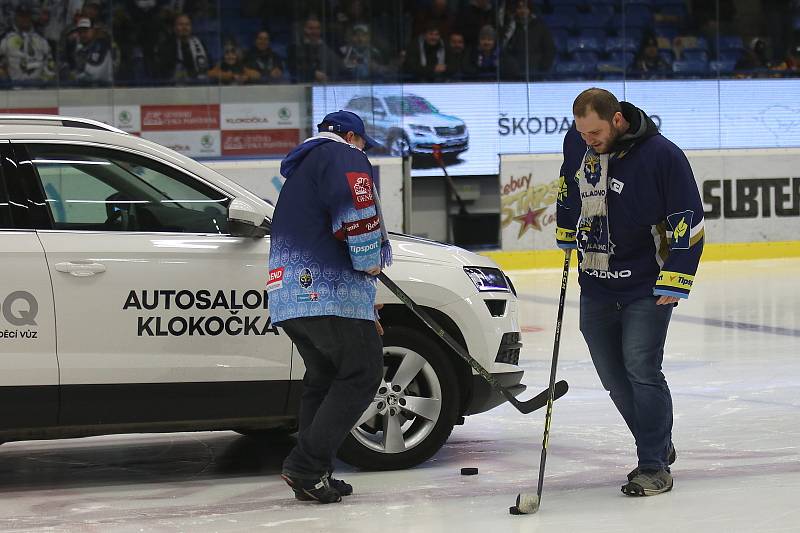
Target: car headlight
(488, 279)
(417, 128)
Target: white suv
(410, 125)
(133, 298)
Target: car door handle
(80, 269)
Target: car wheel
(414, 409)
(398, 145)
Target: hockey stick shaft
(524, 407)
(554, 363)
(462, 207)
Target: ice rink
(731, 361)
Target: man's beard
(608, 147)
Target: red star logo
(530, 220)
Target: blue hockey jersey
(655, 215)
(326, 233)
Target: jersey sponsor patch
(361, 189)
(308, 297)
(681, 224)
(360, 227)
(677, 280)
(306, 279)
(365, 248)
(275, 280)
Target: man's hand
(374, 272)
(667, 300)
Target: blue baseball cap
(344, 121)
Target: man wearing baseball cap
(328, 244)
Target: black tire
(365, 446)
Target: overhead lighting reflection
(67, 162)
(189, 244)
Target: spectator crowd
(235, 42)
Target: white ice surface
(732, 363)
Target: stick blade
(540, 400)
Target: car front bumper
(484, 397)
(447, 146)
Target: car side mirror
(244, 220)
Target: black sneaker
(342, 487)
(648, 483)
(671, 459)
(318, 490)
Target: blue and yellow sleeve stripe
(566, 238)
(673, 284)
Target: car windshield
(411, 105)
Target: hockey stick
(529, 503)
(555, 391)
(439, 158)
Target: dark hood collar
(642, 127)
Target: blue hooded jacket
(655, 215)
(326, 233)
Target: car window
(377, 106)
(98, 189)
(410, 105)
(359, 104)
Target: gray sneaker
(671, 459)
(648, 483)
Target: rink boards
(751, 201)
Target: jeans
(626, 342)
(344, 368)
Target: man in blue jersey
(629, 203)
(328, 244)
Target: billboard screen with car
(513, 118)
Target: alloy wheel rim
(406, 406)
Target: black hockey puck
(469, 471)
(514, 510)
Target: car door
(162, 315)
(28, 364)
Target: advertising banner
(528, 190)
(189, 143)
(513, 118)
(259, 116)
(125, 117)
(258, 142)
(748, 196)
(411, 119)
(180, 117)
(30, 110)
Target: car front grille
(510, 346)
(449, 132)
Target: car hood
(433, 120)
(418, 250)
